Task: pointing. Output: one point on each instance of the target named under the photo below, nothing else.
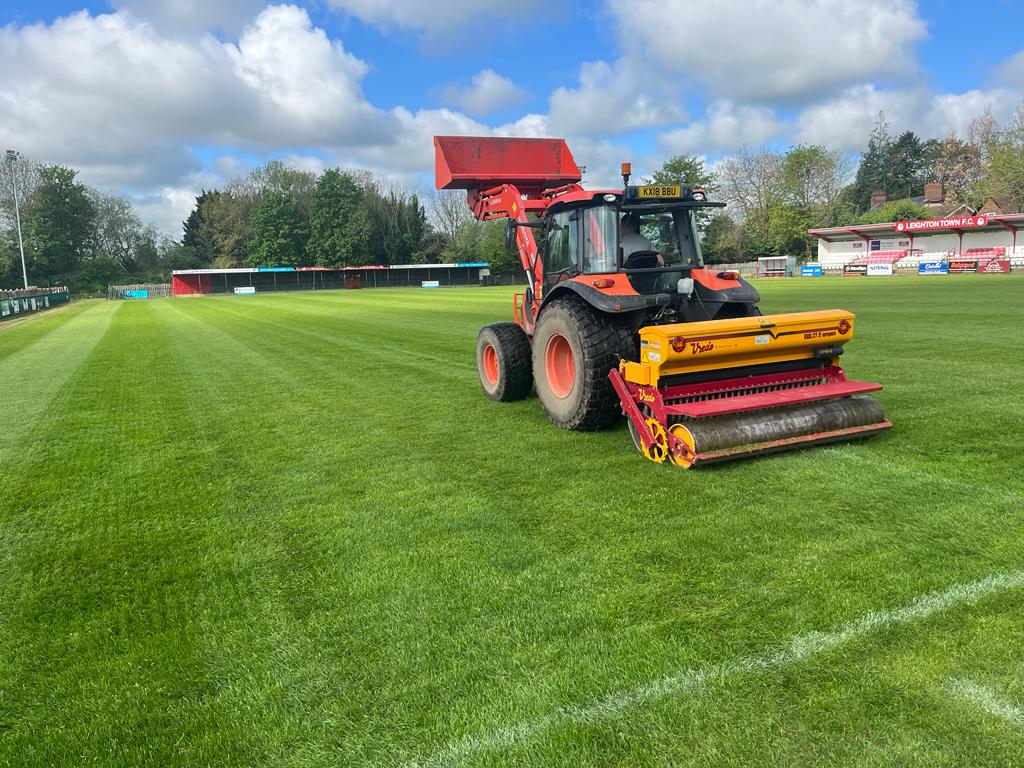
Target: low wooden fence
(138, 291)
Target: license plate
(656, 190)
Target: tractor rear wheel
(574, 348)
(503, 361)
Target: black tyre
(503, 361)
(574, 348)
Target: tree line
(277, 215)
(775, 197)
(282, 216)
(73, 234)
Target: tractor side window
(600, 239)
(561, 250)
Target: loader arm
(507, 201)
(509, 178)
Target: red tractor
(621, 316)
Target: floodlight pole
(11, 157)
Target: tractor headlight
(685, 286)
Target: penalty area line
(692, 680)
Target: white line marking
(989, 699)
(691, 680)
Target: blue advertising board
(933, 268)
(810, 270)
(275, 269)
(136, 294)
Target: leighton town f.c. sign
(954, 223)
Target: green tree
(279, 233)
(688, 170)
(1003, 163)
(196, 235)
(721, 243)
(9, 257)
(905, 167)
(492, 250)
(119, 232)
(94, 275)
(872, 173)
(338, 229)
(60, 224)
(812, 196)
(752, 183)
(896, 210)
(276, 176)
(958, 167)
(787, 231)
(227, 227)
(399, 224)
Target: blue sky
(158, 99)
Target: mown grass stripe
(36, 372)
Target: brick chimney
(877, 198)
(933, 192)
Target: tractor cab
(604, 238)
(644, 240)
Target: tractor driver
(630, 239)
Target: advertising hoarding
(997, 267)
(961, 266)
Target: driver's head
(630, 224)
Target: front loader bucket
(725, 389)
(475, 163)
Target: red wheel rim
(560, 366)
(490, 364)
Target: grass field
(289, 530)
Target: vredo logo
(696, 347)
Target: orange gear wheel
(658, 450)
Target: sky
(159, 99)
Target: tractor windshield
(668, 232)
(664, 237)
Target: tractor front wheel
(503, 361)
(574, 348)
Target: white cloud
(763, 50)
(487, 91)
(167, 207)
(845, 121)
(412, 149)
(727, 126)
(192, 16)
(1011, 71)
(434, 19)
(613, 99)
(121, 102)
(305, 85)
